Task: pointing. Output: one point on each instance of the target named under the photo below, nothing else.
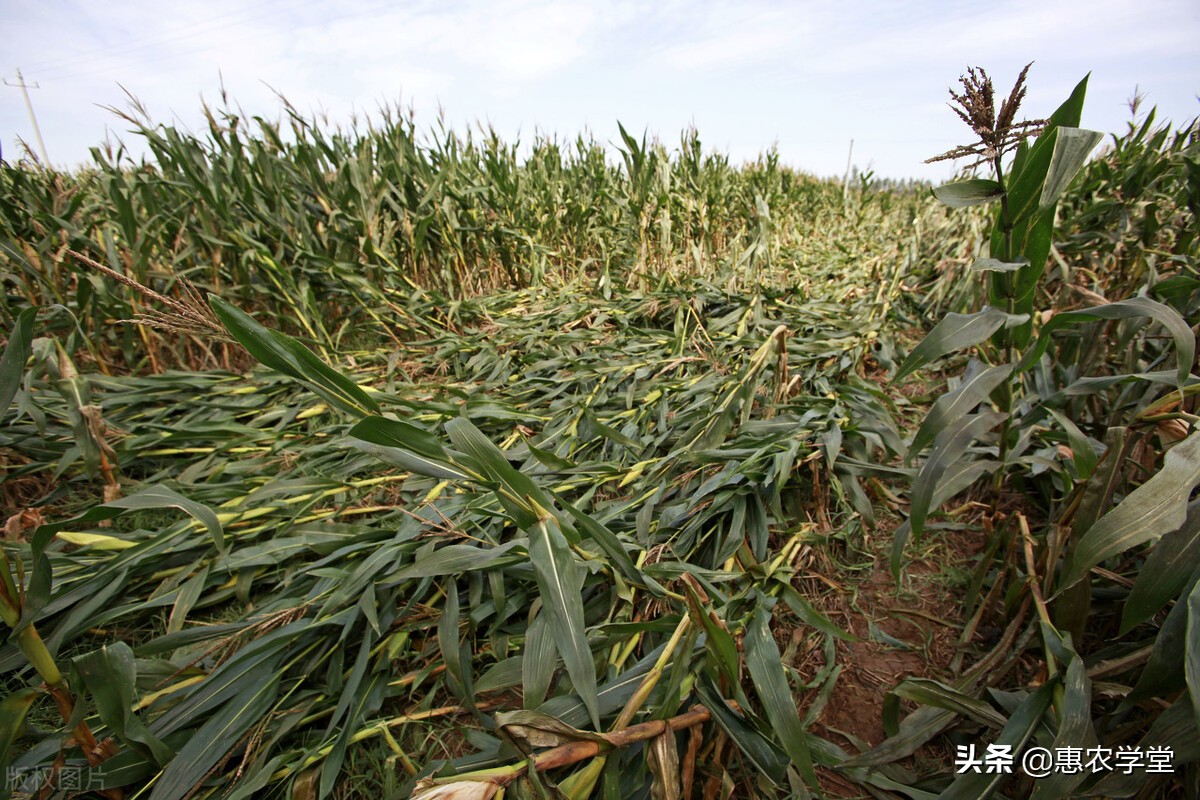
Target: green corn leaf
(455, 559)
(761, 751)
(502, 675)
(608, 432)
(1071, 111)
(13, 709)
(770, 683)
(1174, 728)
(1185, 340)
(916, 729)
(361, 698)
(1191, 664)
(948, 449)
(717, 639)
(215, 738)
(976, 385)
(284, 354)
(407, 459)
(1075, 728)
(1165, 571)
(16, 353)
(157, 496)
(458, 668)
(1105, 479)
(996, 265)
(1027, 183)
(560, 583)
(972, 192)
(1036, 248)
(257, 777)
(959, 476)
(124, 769)
(399, 434)
(189, 594)
(110, 675)
(252, 664)
(1156, 507)
(955, 332)
(548, 458)
(538, 661)
(933, 693)
(154, 497)
(516, 489)
(1025, 188)
(1020, 727)
(810, 616)
(1071, 149)
(1164, 673)
(1082, 453)
(348, 692)
(1177, 287)
(607, 540)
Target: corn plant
(1009, 416)
(333, 234)
(550, 525)
(538, 529)
(1130, 223)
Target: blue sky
(806, 77)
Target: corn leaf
(1156, 507)
(16, 353)
(1185, 340)
(1020, 727)
(538, 661)
(972, 192)
(1164, 673)
(765, 666)
(1165, 571)
(948, 450)
(111, 676)
(286, 355)
(976, 385)
(916, 729)
(1071, 149)
(1075, 729)
(13, 709)
(559, 583)
(216, 737)
(955, 332)
(764, 754)
(933, 693)
(996, 265)
(1191, 664)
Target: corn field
(376, 462)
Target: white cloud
(741, 35)
(811, 74)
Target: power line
(25, 87)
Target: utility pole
(846, 179)
(25, 87)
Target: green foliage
(1067, 395)
(334, 235)
(542, 438)
(542, 451)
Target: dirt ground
(910, 629)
